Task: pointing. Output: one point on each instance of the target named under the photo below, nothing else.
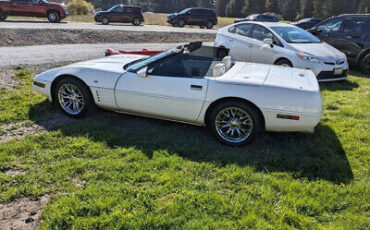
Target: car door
(116, 15)
(261, 53)
(164, 90)
(128, 14)
(22, 7)
(240, 42)
(355, 31)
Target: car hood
(55, 4)
(270, 75)
(323, 51)
(101, 12)
(113, 63)
(172, 15)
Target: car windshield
(111, 9)
(295, 35)
(184, 11)
(135, 66)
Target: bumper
(326, 71)
(97, 18)
(63, 14)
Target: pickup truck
(33, 8)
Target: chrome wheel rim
(52, 17)
(234, 124)
(105, 20)
(137, 21)
(71, 99)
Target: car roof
(268, 24)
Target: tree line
(288, 9)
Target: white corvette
(190, 84)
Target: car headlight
(307, 57)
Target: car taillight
(141, 11)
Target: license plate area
(338, 71)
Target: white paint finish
(273, 89)
(170, 97)
(244, 48)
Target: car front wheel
(73, 97)
(209, 25)
(136, 22)
(365, 64)
(181, 23)
(105, 21)
(284, 63)
(235, 123)
(53, 17)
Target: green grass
(141, 173)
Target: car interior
(202, 62)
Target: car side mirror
(143, 73)
(268, 41)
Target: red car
(33, 8)
(146, 52)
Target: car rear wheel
(365, 64)
(201, 27)
(235, 123)
(284, 62)
(209, 25)
(181, 23)
(73, 97)
(53, 17)
(105, 21)
(136, 22)
(2, 16)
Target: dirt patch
(27, 37)
(12, 172)
(22, 214)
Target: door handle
(196, 87)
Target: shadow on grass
(32, 21)
(345, 85)
(303, 155)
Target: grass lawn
(138, 173)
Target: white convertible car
(190, 84)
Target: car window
(357, 25)
(231, 29)
(117, 9)
(243, 29)
(181, 65)
(333, 25)
(128, 9)
(261, 33)
(295, 35)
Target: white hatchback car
(283, 44)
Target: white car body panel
(272, 89)
(247, 49)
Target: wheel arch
(283, 58)
(242, 100)
(55, 82)
(52, 10)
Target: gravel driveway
(31, 55)
(20, 24)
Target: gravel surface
(31, 55)
(22, 24)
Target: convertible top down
(191, 84)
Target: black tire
(181, 23)
(284, 62)
(209, 25)
(174, 24)
(53, 17)
(365, 64)
(221, 53)
(88, 101)
(105, 21)
(136, 21)
(253, 122)
(201, 26)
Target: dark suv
(121, 13)
(201, 17)
(349, 34)
(307, 23)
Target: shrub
(79, 7)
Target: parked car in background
(121, 13)
(350, 34)
(33, 8)
(259, 18)
(283, 44)
(201, 17)
(307, 23)
(190, 84)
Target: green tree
(253, 7)
(233, 8)
(272, 6)
(79, 7)
(220, 7)
(364, 7)
(306, 8)
(290, 9)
